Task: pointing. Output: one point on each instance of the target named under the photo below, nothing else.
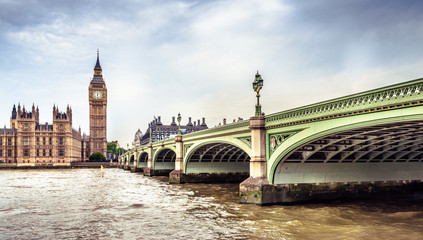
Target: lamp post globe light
(257, 86)
(179, 124)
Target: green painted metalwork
(247, 140)
(317, 130)
(286, 131)
(257, 86)
(275, 140)
(223, 130)
(219, 140)
(390, 96)
(186, 147)
(179, 124)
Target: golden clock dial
(97, 95)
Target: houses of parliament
(30, 143)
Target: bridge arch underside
(218, 158)
(142, 160)
(132, 160)
(388, 152)
(165, 159)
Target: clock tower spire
(97, 96)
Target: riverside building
(161, 132)
(27, 142)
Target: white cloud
(197, 58)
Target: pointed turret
(97, 64)
(14, 113)
(37, 115)
(98, 72)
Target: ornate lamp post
(179, 124)
(149, 128)
(257, 86)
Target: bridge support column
(256, 189)
(127, 158)
(177, 175)
(122, 163)
(149, 171)
(135, 168)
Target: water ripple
(79, 204)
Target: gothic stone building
(30, 143)
(160, 132)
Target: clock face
(97, 95)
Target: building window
(9, 141)
(44, 141)
(50, 141)
(1, 153)
(26, 152)
(9, 153)
(26, 141)
(61, 152)
(1, 141)
(38, 141)
(50, 152)
(44, 152)
(60, 127)
(61, 141)
(26, 126)
(38, 152)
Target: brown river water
(80, 204)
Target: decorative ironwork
(244, 125)
(149, 127)
(277, 139)
(257, 86)
(392, 95)
(179, 124)
(186, 147)
(381, 143)
(246, 140)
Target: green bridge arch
(165, 164)
(315, 130)
(230, 141)
(142, 159)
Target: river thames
(80, 204)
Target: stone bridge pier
(256, 188)
(126, 166)
(135, 167)
(177, 175)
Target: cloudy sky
(199, 57)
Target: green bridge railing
(402, 95)
(410, 92)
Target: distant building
(137, 139)
(161, 132)
(117, 143)
(28, 142)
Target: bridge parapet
(220, 130)
(403, 94)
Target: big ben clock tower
(98, 111)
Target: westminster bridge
(368, 144)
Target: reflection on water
(78, 203)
